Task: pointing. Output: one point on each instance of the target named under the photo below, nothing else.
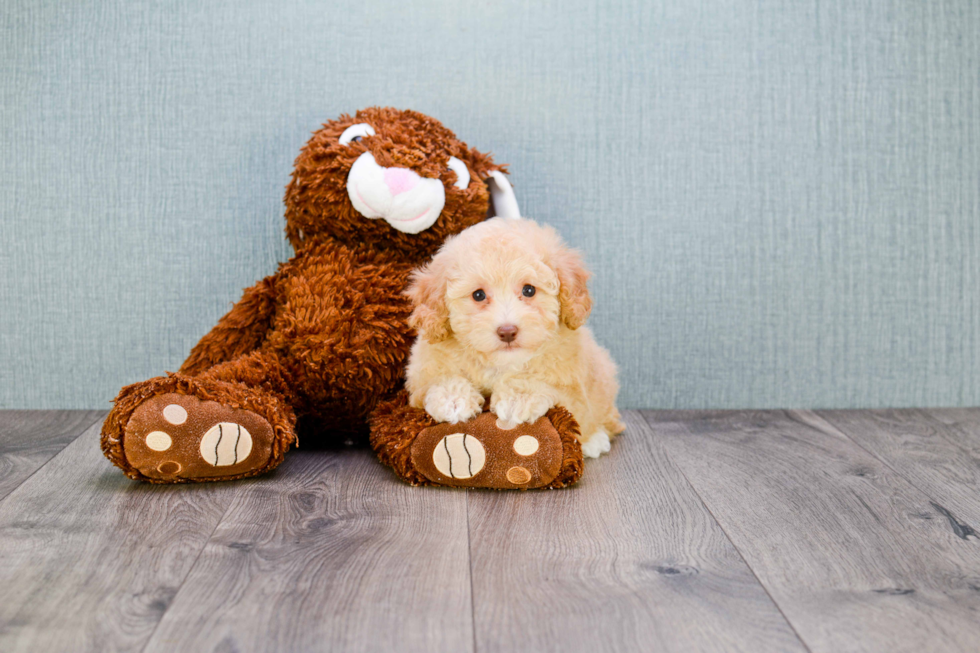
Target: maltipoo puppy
(500, 312)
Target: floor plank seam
(469, 549)
(190, 570)
(936, 503)
(55, 455)
(765, 589)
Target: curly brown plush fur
(326, 337)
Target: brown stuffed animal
(326, 338)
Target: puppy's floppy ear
(427, 290)
(576, 303)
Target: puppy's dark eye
(528, 291)
(479, 295)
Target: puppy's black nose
(507, 332)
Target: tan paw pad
(158, 441)
(175, 414)
(169, 468)
(518, 475)
(225, 444)
(526, 445)
(459, 456)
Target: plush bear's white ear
(502, 197)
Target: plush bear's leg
(233, 420)
(477, 453)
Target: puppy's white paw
(454, 401)
(596, 445)
(519, 408)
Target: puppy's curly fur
(493, 278)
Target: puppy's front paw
(520, 407)
(597, 445)
(454, 401)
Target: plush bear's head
(391, 179)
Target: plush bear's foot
(178, 436)
(180, 429)
(482, 452)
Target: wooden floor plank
(935, 456)
(90, 560)
(627, 560)
(335, 554)
(963, 426)
(856, 557)
(30, 438)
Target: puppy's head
(502, 287)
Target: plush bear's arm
(240, 331)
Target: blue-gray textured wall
(780, 198)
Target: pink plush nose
(400, 180)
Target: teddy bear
(324, 340)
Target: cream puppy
(500, 311)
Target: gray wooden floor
(722, 531)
